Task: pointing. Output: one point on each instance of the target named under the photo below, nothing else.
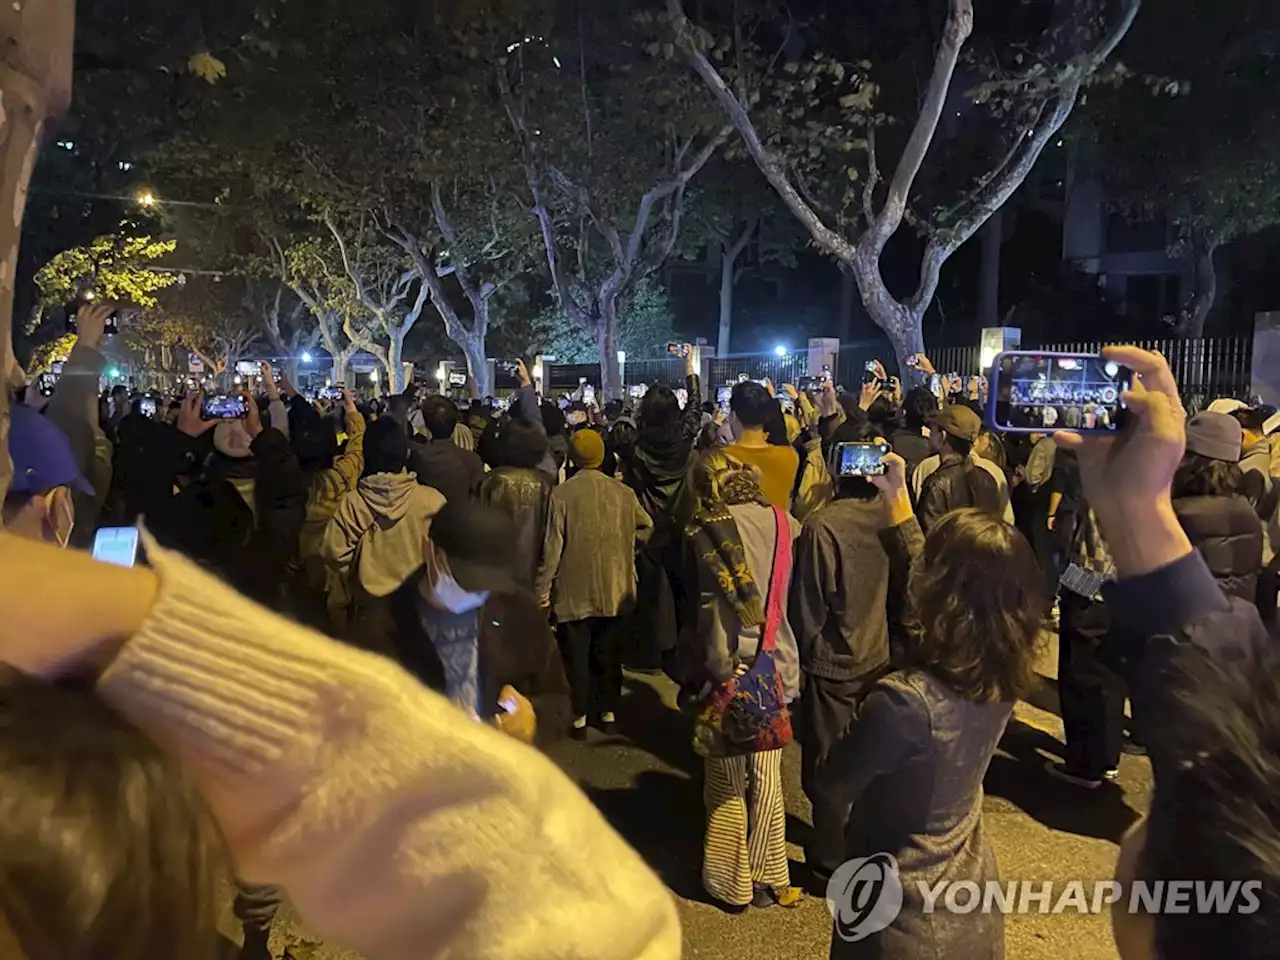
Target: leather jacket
(525, 496)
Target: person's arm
(644, 522)
(902, 539)
(349, 465)
(74, 405)
(316, 758)
(552, 549)
(342, 535)
(891, 726)
(812, 581)
(816, 487)
(933, 503)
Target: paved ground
(647, 782)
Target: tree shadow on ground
(1017, 775)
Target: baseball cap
(1215, 435)
(478, 542)
(1227, 405)
(958, 421)
(41, 454)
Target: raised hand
(190, 420)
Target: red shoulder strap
(777, 600)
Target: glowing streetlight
(780, 351)
(90, 295)
(113, 373)
(374, 376)
(147, 199)
(237, 379)
(306, 356)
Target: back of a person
(911, 445)
(757, 526)
(959, 483)
(524, 494)
(855, 638)
(448, 468)
(1228, 534)
(600, 534)
(778, 466)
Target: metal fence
(1212, 366)
(725, 371)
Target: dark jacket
(455, 472)
(912, 446)
(516, 648)
(839, 591)
(954, 485)
(659, 466)
(1228, 534)
(525, 496)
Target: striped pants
(746, 841)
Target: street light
(113, 373)
(374, 376)
(306, 357)
(779, 351)
(147, 199)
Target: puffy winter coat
(1228, 534)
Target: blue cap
(41, 453)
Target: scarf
(722, 564)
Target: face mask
(448, 595)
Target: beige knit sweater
(398, 827)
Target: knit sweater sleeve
(398, 827)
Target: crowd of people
(356, 626)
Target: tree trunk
(290, 369)
(395, 366)
(848, 293)
(473, 349)
(900, 324)
(989, 300)
(340, 361)
(728, 274)
(607, 341)
(1198, 303)
(34, 85)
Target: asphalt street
(647, 782)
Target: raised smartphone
(1042, 392)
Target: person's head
(775, 427)
(439, 416)
(919, 407)
(107, 848)
(313, 436)
(1253, 423)
(553, 420)
(1214, 810)
(989, 446)
(516, 443)
(953, 430)
(38, 505)
(586, 449)
(978, 598)
(622, 435)
(884, 414)
(721, 479)
(751, 407)
(386, 447)
(659, 412)
(398, 409)
(613, 410)
(467, 556)
(119, 392)
(1211, 465)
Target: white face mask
(448, 595)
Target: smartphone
(509, 367)
(723, 396)
(46, 383)
(871, 366)
(678, 349)
(147, 406)
(913, 361)
(787, 404)
(588, 393)
(116, 545)
(224, 407)
(109, 328)
(860, 459)
(682, 397)
(1043, 392)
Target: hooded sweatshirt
(375, 539)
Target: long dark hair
(1201, 476)
(978, 597)
(658, 418)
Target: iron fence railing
(1211, 366)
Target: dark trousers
(1091, 690)
(1268, 592)
(591, 661)
(823, 714)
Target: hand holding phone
(224, 407)
(1067, 392)
(860, 459)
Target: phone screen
(787, 405)
(1040, 392)
(147, 406)
(116, 545)
(860, 459)
(588, 393)
(723, 396)
(224, 407)
(46, 383)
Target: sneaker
(789, 897)
(1059, 771)
(579, 729)
(1111, 775)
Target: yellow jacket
(328, 487)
